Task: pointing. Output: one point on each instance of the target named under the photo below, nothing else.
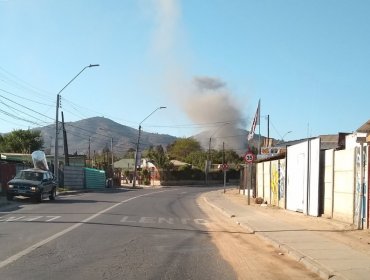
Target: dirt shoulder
(250, 256)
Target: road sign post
(249, 158)
(224, 168)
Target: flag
(256, 121)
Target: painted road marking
(163, 220)
(29, 219)
(63, 232)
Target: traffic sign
(224, 167)
(249, 157)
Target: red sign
(249, 157)
(224, 167)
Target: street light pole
(209, 151)
(282, 138)
(138, 144)
(56, 163)
(111, 150)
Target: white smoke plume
(206, 100)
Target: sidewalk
(331, 249)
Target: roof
(36, 170)
(16, 157)
(365, 127)
(327, 141)
(332, 141)
(179, 163)
(125, 163)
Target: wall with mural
(332, 182)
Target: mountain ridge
(97, 133)
(92, 135)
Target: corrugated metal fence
(80, 177)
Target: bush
(185, 174)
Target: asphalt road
(138, 234)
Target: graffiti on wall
(281, 179)
(275, 182)
(357, 183)
(360, 201)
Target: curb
(308, 262)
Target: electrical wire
(16, 110)
(18, 118)
(25, 86)
(25, 107)
(24, 98)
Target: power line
(14, 109)
(28, 86)
(18, 118)
(22, 97)
(25, 107)
(8, 121)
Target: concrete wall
(297, 177)
(336, 183)
(271, 182)
(259, 176)
(282, 182)
(344, 185)
(274, 184)
(328, 183)
(266, 182)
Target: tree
(181, 148)
(130, 153)
(197, 159)
(159, 156)
(21, 141)
(160, 159)
(230, 157)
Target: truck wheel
(38, 197)
(53, 194)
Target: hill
(97, 132)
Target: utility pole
(224, 164)
(89, 151)
(268, 130)
(136, 157)
(208, 160)
(66, 157)
(56, 160)
(138, 143)
(111, 150)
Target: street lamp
(209, 149)
(56, 164)
(111, 148)
(138, 143)
(282, 138)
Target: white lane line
(63, 232)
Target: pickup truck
(34, 183)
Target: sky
(208, 62)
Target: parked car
(34, 183)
